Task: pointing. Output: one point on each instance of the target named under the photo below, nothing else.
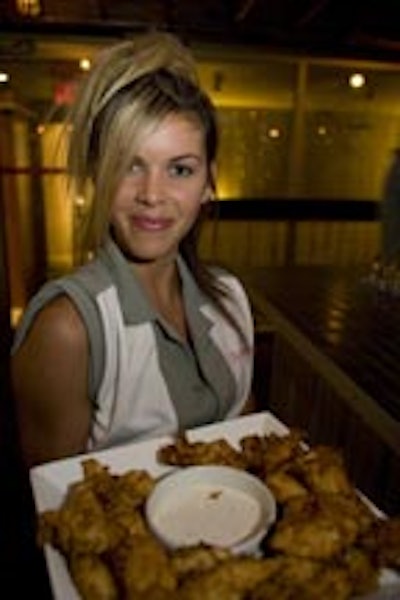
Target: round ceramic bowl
(212, 505)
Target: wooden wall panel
(261, 243)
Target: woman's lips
(151, 223)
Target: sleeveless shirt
(143, 380)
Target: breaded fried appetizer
(320, 526)
(92, 577)
(327, 542)
(277, 450)
(322, 470)
(284, 485)
(184, 453)
(121, 497)
(193, 560)
(79, 526)
(253, 449)
(382, 542)
(230, 580)
(133, 486)
(326, 582)
(361, 571)
(141, 563)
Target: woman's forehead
(173, 130)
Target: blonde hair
(132, 86)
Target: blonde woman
(143, 339)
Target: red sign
(64, 92)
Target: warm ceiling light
(85, 64)
(4, 77)
(274, 133)
(357, 80)
(28, 8)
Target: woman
(143, 339)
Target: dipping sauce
(214, 505)
(209, 513)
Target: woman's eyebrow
(189, 155)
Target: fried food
(320, 526)
(197, 559)
(253, 449)
(141, 563)
(131, 487)
(231, 580)
(304, 579)
(121, 498)
(284, 486)
(360, 570)
(382, 541)
(317, 470)
(322, 470)
(154, 593)
(98, 516)
(184, 453)
(326, 543)
(80, 526)
(257, 454)
(92, 577)
(274, 451)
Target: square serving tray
(51, 480)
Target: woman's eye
(179, 170)
(136, 168)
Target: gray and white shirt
(145, 381)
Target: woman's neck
(163, 287)
(160, 280)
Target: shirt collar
(134, 302)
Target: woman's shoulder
(62, 305)
(57, 321)
(60, 313)
(65, 319)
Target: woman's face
(159, 199)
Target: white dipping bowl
(213, 505)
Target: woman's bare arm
(50, 386)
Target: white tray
(50, 481)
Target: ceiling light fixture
(357, 80)
(85, 64)
(28, 8)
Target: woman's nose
(152, 188)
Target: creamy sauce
(211, 514)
